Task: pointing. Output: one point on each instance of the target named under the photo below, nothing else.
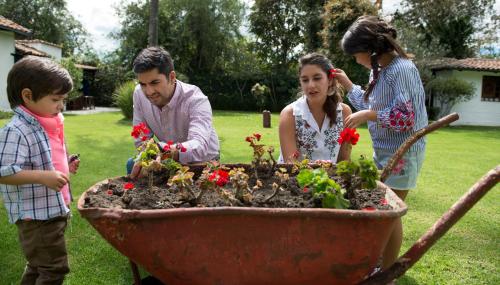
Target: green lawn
(455, 159)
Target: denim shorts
(404, 175)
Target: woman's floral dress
(314, 143)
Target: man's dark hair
(39, 74)
(154, 57)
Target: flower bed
(165, 184)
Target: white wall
(475, 112)
(7, 48)
(53, 51)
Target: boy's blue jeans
(130, 165)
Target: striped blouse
(399, 100)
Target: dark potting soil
(113, 194)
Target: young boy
(34, 166)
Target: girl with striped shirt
(393, 105)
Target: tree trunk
(153, 23)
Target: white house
(8, 30)
(484, 107)
(43, 47)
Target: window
(491, 89)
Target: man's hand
(54, 179)
(136, 171)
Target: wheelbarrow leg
(135, 273)
(458, 210)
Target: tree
(49, 20)
(339, 15)
(153, 23)
(448, 23)
(195, 32)
(313, 24)
(277, 26)
(449, 91)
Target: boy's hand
(54, 179)
(73, 166)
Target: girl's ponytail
(373, 35)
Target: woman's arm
(345, 148)
(288, 143)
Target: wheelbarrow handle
(412, 139)
(419, 248)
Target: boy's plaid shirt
(24, 145)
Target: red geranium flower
(139, 130)
(331, 73)
(349, 135)
(128, 186)
(220, 177)
(248, 139)
(257, 136)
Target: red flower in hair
(331, 73)
(348, 136)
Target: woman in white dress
(310, 126)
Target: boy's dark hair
(154, 57)
(334, 97)
(375, 36)
(39, 74)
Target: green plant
(123, 98)
(364, 168)
(323, 188)
(260, 93)
(449, 91)
(76, 74)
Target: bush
(449, 91)
(76, 75)
(5, 115)
(123, 98)
(107, 79)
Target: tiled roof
(37, 41)
(84, 66)
(6, 24)
(480, 64)
(25, 49)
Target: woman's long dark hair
(334, 94)
(373, 35)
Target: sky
(99, 18)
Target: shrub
(123, 98)
(449, 91)
(76, 75)
(5, 115)
(107, 79)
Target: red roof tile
(6, 24)
(25, 49)
(480, 64)
(37, 41)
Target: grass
(455, 159)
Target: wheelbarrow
(227, 245)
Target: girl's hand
(354, 120)
(343, 79)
